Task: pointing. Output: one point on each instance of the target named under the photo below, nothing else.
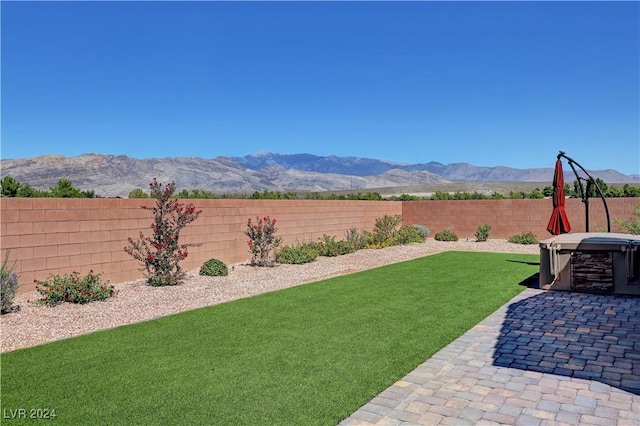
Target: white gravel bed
(35, 324)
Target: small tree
(27, 191)
(65, 189)
(9, 186)
(161, 253)
(138, 193)
(262, 240)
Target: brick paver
(543, 358)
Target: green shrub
(214, 268)
(386, 226)
(446, 236)
(8, 285)
(298, 254)
(328, 246)
(358, 240)
(482, 232)
(424, 231)
(405, 235)
(524, 238)
(74, 289)
(631, 226)
(409, 234)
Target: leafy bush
(524, 238)
(8, 285)
(74, 289)
(358, 240)
(298, 254)
(387, 234)
(138, 193)
(631, 226)
(328, 246)
(262, 240)
(482, 232)
(214, 268)
(409, 234)
(446, 236)
(424, 231)
(161, 253)
(386, 226)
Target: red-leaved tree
(161, 253)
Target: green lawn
(307, 355)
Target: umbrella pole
(585, 193)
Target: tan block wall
(57, 236)
(511, 217)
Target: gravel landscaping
(35, 324)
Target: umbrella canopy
(559, 223)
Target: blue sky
(488, 83)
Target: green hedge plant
(386, 226)
(214, 268)
(409, 234)
(328, 246)
(446, 236)
(524, 238)
(297, 254)
(482, 232)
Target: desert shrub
(328, 246)
(446, 236)
(424, 231)
(262, 240)
(297, 254)
(373, 241)
(214, 268)
(408, 234)
(358, 240)
(524, 238)
(8, 285)
(386, 226)
(74, 289)
(482, 232)
(631, 226)
(161, 253)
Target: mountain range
(117, 175)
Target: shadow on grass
(587, 336)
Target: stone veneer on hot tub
(592, 262)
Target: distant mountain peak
(117, 175)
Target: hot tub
(591, 262)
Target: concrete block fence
(57, 236)
(510, 217)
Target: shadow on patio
(587, 336)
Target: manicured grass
(308, 355)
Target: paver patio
(543, 358)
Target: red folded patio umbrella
(559, 223)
